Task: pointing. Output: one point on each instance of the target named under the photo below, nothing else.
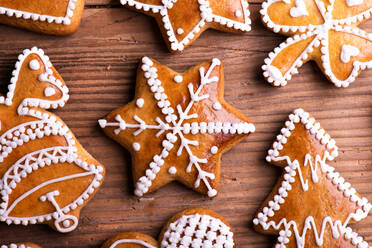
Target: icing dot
(172, 170)
(66, 223)
(34, 65)
(238, 13)
(140, 102)
(49, 91)
(136, 146)
(217, 106)
(178, 79)
(214, 149)
(180, 31)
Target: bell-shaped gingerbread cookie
(46, 175)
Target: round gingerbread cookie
(57, 17)
(197, 227)
(131, 240)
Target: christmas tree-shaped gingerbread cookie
(177, 127)
(45, 174)
(311, 205)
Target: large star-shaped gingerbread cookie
(177, 127)
(181, 22)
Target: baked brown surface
(99, 65)
(55, 8)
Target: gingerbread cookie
(311, 205)
(131, 240)
(320, 30)
(196, 227)
(19, 245)
(46, 175)
(58, 17)
(182, 22)
(177, 127)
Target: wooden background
(99, 64)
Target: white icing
(320, 39)
(131, 241)
(45, 125)
(49, 91)
(214, 149)
(140, 102)
(238, 13)
(172, 170)
(15, 246)
(198, 231)
(45, 77)
(180, 31)
(347, 52)
(217, 106)
(66, 20)
(351, 3)
(299, 9)
(178, 78)
(34, 65)
(206, 14)
(175, 128)
(291, 170)
(136, 146)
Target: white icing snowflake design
(319, 31)
(42, 125)
(176, 35)
(175, 128)
(66, 20)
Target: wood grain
(99, 64)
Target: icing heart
(347, 52)
(351, 3)
(299, 10)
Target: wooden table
(99, 64)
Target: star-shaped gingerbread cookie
(182, 21)
(177, 127)
(58, 17)
(323, 31)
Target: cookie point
(212, 193)
(216, 61)
(102, 123)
